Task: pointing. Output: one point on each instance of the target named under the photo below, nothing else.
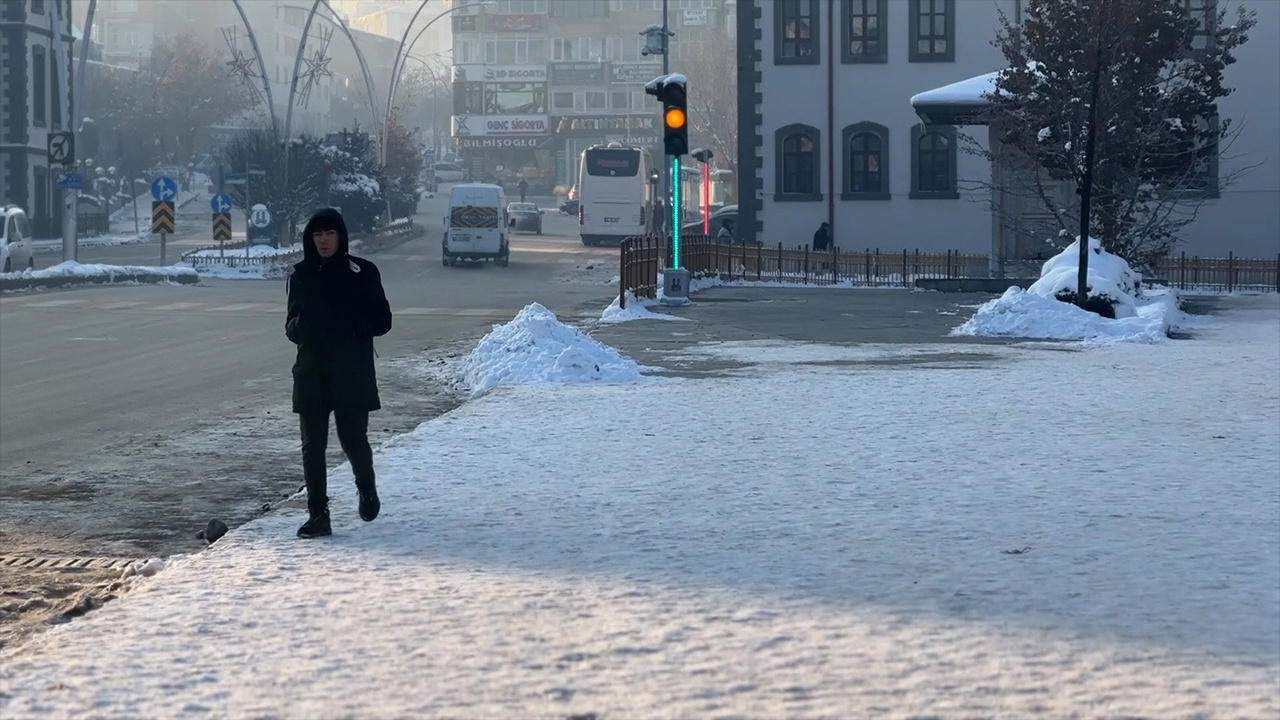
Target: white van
(477, 225)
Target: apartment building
(36, 51)
(538, 81)
(827, 132)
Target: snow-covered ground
(1007, 531)
(44, 246)
(72, 268)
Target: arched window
(798, 177)
(866, 162)
(933, 159)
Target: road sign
(62, 148)
(164, 188)
(220, 203)
(260, 216)
(233, 179)
(222, 226)
(162, 217)
(70, 180)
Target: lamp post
(402, 54)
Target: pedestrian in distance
(725, 236)
(524, 188)
(336, 308)
(822, 238)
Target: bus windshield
(613, 162)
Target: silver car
(16, 251)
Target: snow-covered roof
(957, 103)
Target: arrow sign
(220, 203)
(62, 148)
(222, 227)
(162, 217)
(164, 188)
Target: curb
(139, 278)
(996, 286)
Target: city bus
(615, 193)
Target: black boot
(317, 526)
(369, 502)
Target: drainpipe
(831, 123)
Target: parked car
(447, 172)
(525, 217)
(569, 207)
(16, 250)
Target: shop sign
(500, 73)
(489, 125)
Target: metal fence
(703, 257)
(1230, 273)
(87, 225)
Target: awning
(960, 103)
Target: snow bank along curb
(536, 348)
(72, 273)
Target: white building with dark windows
(827, 131)
(36, 50)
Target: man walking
(336, 308)
(524, 188)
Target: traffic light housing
(671, 91)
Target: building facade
(36, 50)
(827, 132)
(535, 82)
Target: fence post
(916, 268)
(806, 264)
(1182, 271)
(1231, 270)
(759, 260)
(835, 265)
(622, 274)
(1195, 270)
(904, 268)
(866, 267)
(779, 261)
(1278, 272)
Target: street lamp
(398, 64)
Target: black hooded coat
(336, 308)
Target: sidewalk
(819, 531)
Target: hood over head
(324, 219)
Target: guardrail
(391, 230)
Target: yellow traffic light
(675, 118)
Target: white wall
(879, 93)
(1246, 218)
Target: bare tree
(1117, 98)
(711, 65)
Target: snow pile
(636, 310)
(1140, 316)
(535, 347)
(72, 268)
(1024, 314)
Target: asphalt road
(133, 414)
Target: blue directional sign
(164, 188)
(70, 180)
(221, 203)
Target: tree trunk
(1086, 182)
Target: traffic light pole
(666, 70)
